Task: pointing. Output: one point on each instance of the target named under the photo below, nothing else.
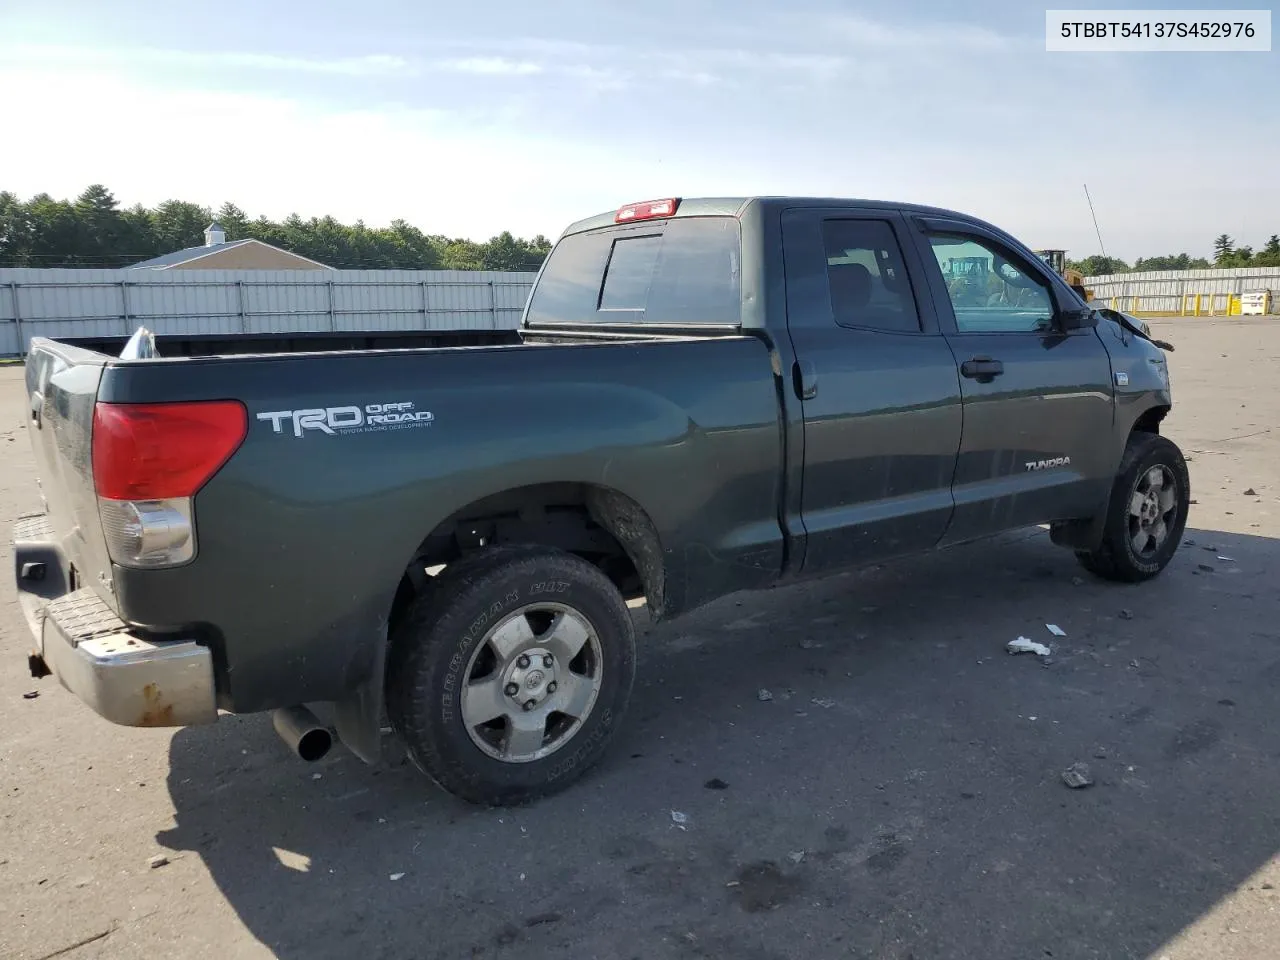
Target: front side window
(988, 292)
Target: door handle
(805, 377)
(982, 369)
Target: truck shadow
(862, 769)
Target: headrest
(850, 286)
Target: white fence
(109, 303)
(1178, 291)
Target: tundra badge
(1048, 464)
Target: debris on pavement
(808, 643)
(1188, 542)
(1077, 581)
(764, 696)
(715, 783)
(1056, 630)
(1126, 614)
(1227, 559)
(1251, 492)
(823, 702)
(1077, 776)
(797, 857)
(316, 776)
(159, 860)
(1100, 753)
(681, 820)
(31, 695)
(1205, 567)
(1024, 645)
(396, 876)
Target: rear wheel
(1147, 513)
(508, 676)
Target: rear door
(1037, 400)
(878, 387)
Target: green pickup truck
(704, 396)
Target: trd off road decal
(371, 418)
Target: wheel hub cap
(532, 682)
(1152, 510)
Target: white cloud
(492, 66)
(371, 65)
(877, 35)
(276, 155)
(551, 135)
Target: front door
(878, 387)
(1038, 401)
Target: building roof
(204, 250)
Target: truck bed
(303, 533)
(205, 345)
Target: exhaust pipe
(303, 732)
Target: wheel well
(1149, 422)
(600, 525)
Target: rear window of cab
(685, 271)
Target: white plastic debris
(1077, 776)
(1227, 559)
(797, 857)
(396, 876)
(823, 702)
(316, 776)
(1056, 630)
(1025, 645)
(681, 820)
(764, 696)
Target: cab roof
(737, 206)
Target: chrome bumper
(124, 677)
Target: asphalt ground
(900, 796)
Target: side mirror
(1077, 319)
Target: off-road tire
(433, 643)
(1116, 559)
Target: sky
(470, 120)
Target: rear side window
(867, 277)
(682, 271)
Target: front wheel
(1147, 513)
(509, 674)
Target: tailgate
(62, 387)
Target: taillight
(649, 210)
(149, 461)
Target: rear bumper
(126, 678)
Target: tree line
(1226, 255)
(93, 231)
